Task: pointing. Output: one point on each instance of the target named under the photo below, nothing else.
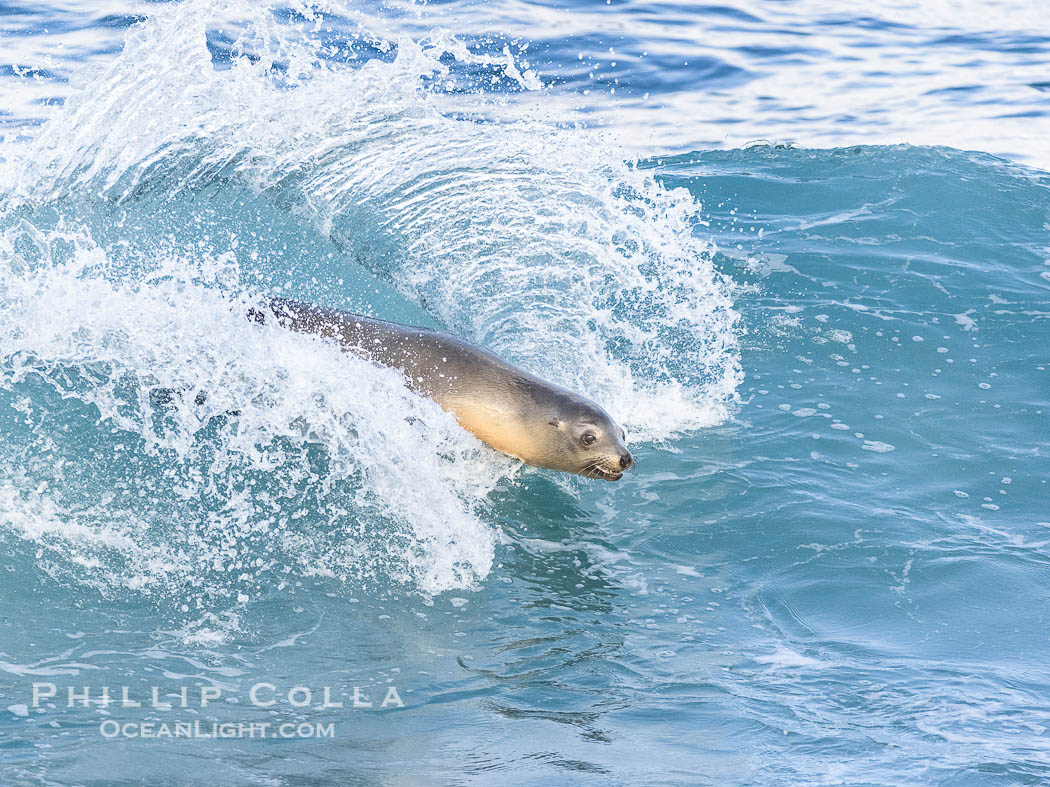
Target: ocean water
(801, 253)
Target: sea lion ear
(555, 422)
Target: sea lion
(511, 410)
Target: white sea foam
(877, 446)
(537, 241)
(300, 456)
(786, 658)
(540, 242)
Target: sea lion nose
(625, 460)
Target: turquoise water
(830, 562)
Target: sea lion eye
(588, 438)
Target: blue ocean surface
(800, 251)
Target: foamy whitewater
(614, 295)
(829, 356)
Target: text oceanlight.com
(111, 728)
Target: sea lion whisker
(592, 467)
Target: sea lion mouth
(597, 470)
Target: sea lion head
(588, 442)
